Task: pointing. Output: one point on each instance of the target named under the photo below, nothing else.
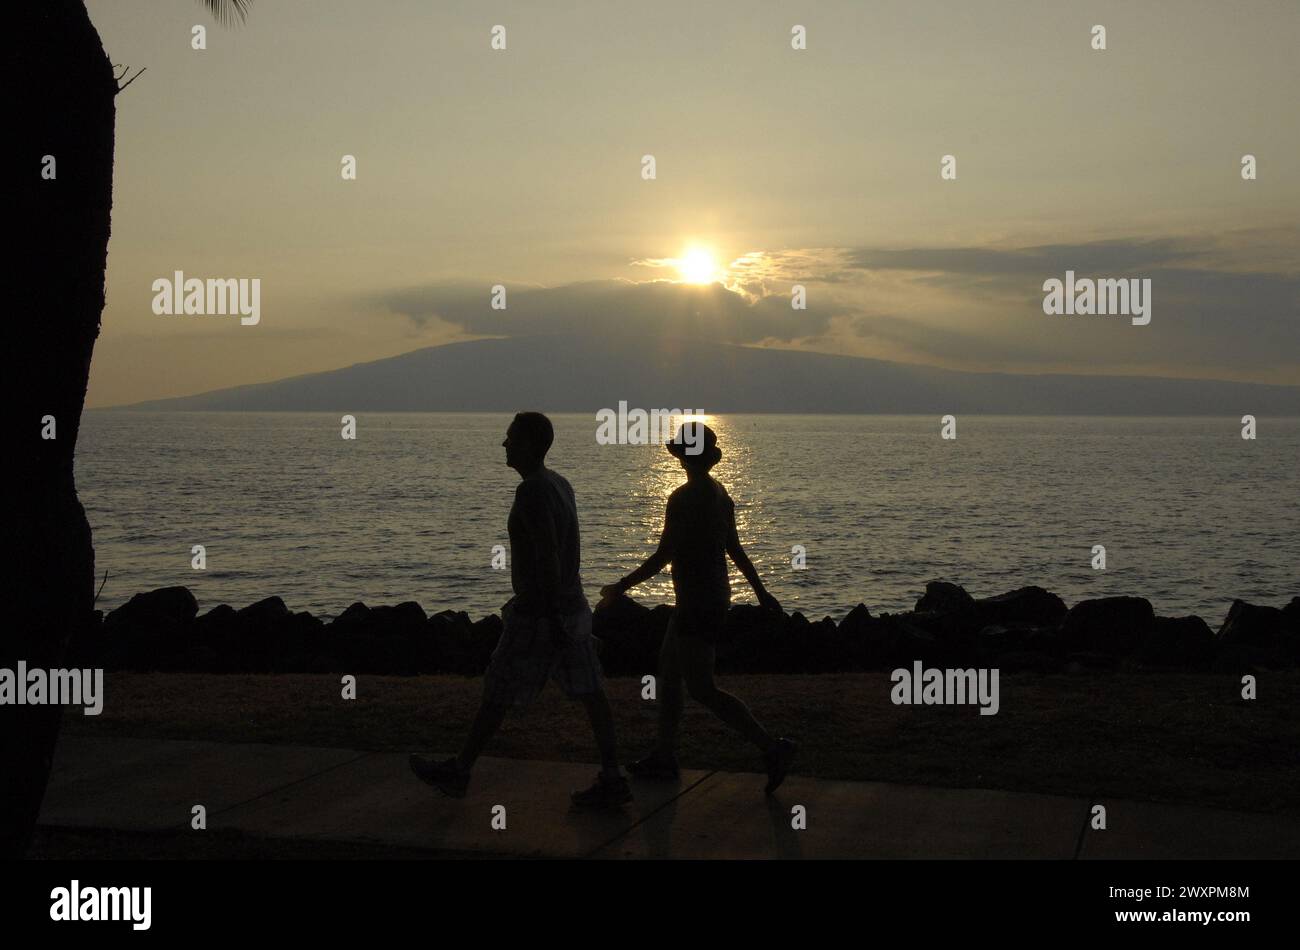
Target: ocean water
(1191, 515)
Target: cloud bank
(1226, 306)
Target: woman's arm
(652, 565)
(742, 561)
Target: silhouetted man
(547, 624)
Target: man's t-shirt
(543, 526)
(697, 524)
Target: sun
(698, 266)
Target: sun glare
(697, 266)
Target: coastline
(1028, 629)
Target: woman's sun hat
(695, 444)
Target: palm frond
(226, 12)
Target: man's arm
(539, 530)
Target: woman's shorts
(702, 622)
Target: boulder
(746, 623)
(1249, 625)
(822, 650)
(1025, 605)
(998, 639)
(619, 621)
(406, 619)
(157, 609)
(1111, 625)
(220, 617)
(897, 641)
(487, 631)
(1291, 621)
(945, 598)
(297, 639)
(442, 617)
(151, 631)
(857, 621)
(265, 613)
(650, 632)
(1024, 629)
(1045, 640)
(399, 641)
(948, 614)
(457, 646)
(957, 630)
(774, 643)
(356, 615)
(628, 636)
(854, 634)
(755, 640)
(216, 635)
(387, 655)
(1238, 658)
(917, 644)
(1178, 642)
(204, 659)
(259, 638)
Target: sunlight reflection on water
(1190, 514)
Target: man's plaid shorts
(528, 653)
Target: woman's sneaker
(447, 777)
(606, 792)
(656, 766)
(778, 761)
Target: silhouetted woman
(699, 532)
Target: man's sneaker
(605, 792)
(656, 766)
(778, 761)
(447, 777)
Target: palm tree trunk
(65, 102)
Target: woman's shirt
(699, 519)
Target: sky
(773, 167)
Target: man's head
(528, 440)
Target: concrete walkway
(371, 797)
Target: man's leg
(602, 726)
(577, 671)
(451, 776)
(516, 673)
(486, 723)
(610, 788)
(515, 676)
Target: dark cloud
(622, 309)
(1227, 307)
(1219, 306)
(1109, 257)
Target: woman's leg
(696, 658)
(669, 691)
